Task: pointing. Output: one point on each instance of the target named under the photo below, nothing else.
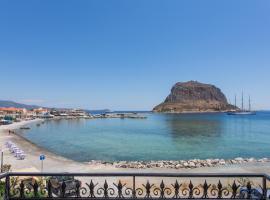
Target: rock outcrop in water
(193, 96)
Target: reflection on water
(187, 130)
(190, 126)
(159, 137)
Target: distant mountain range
(6, 104)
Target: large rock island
(193, 96)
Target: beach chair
(10, 149)
(18, 153)
(13, 149)
(21, 156)
(9, 144)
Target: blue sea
(159, 137)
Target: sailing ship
(242, 111)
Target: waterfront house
(15, 113)
(41, 111)
(77, 113)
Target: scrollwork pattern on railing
(162, 191)
(144, 189)
(191, 192)
(106, 191)
(219, 191)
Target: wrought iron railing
(133, 186)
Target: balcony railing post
(134, 188)
(264, 187)
(7, 188)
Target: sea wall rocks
(181, 164)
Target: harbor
(10, 115)
(120, 115)
(57, 163)
(157, 137)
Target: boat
(25, 128)
(242, 111)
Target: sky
(127, 54)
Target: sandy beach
(55, 163)
(52, 162)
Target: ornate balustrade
(133, 186)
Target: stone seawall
(194, 163)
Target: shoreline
(57, 163)
(18, 125)
(52, 163)
(180, 164)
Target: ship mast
(235, 101)
(242, 101)
(249, 105)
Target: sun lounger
(9, 144)
(12, 150)
(21, 156)
(12, 146)
(17, 152)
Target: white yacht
(242, 111)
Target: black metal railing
(133, 186)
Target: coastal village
(9, 115)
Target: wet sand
(55, 163)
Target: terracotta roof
(11, 109)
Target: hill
(6, 104)
(193, 96)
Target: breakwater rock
(181, 164)
(193, 96)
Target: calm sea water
(159, 137)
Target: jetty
(120, 115)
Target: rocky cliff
(193, 96)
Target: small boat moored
(25, 128)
